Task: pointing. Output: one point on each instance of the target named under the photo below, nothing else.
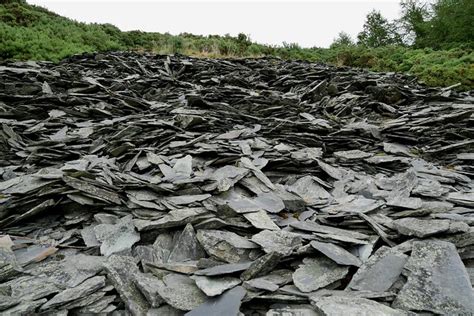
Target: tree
(413, 23)
(342, 39)
(452, 24)
(378, 31)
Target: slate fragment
(316, 273)
(215, 286)
(224, 269)
(116, 238)
(380, 271)
(181, 292)
(262, 265)
(121, 271)
(226, 304)
(86, 288)
(437, 280)
(281, 242)
(423, 228)
(226, 246)
(339, 305)
(336, 253)
(187, 246)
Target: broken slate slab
(224, 269)
(225, 304)
(181, 292)
(187, 247)
(340, 305)
(149, 287)
(423, 228)
(380, 271)
(226, 246)
(215, 286)
(281, 242)
(437, 281)
(121, 272)
(82, 290)
(336, 253)
(116, 238)
(316, 273)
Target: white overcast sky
(308, 23)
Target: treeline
(443, 24)
(433, 42)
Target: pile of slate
(134, 184)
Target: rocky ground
(156, 185)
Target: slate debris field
(135, 184)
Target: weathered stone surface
(116, 238)
(181, 292)
(281, 242)
(423, 228)
(380, 271)
(292, 310)
(261, 220)
(225, 304)
(149, 287)
(187, 247)
(71, 271)
(437, 281)
(215, 286)
(85, 288)
(180, 179)
(316, 273)
(339, 305)
(226, 246)
(262, 265)
(8, 301)
(336, 254)
(224, 269)
(122, 273)
(261, 284)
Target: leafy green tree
(413, 23)
(342, 40)
(452, 24)
(378, 31)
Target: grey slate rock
(316, 273)
(187, 247)
(339, 305)
(423, 228)
(215, 286)
(281, 242)
(224, 269)
(380, 271)
(86, 288)
(118, 238)
(437, 281)
(262, 265)
(181, 292)
(121, 271)
(226, 246)
(225, 304)
(336, 254)
(149, 287)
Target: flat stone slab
(225, 304)
(316, 273)
(380, 271)
(437, 281)
(340, 305)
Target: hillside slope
(30, 32)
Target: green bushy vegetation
(409, 45)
